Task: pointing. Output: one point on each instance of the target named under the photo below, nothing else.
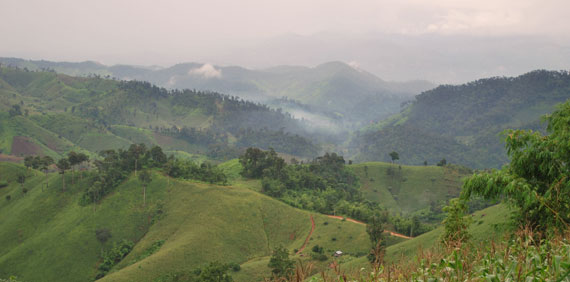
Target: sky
(243, 32)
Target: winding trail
(360, 222)
(308, 237)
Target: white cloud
(206, 71)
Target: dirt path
(360, 222)
(308, 237)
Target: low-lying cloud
(206, 71)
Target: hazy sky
(171, 31)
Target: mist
(441, 41)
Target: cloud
(206, 71)
(355, 65)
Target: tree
(63, 165)
(16, 110)
(145, 178)
(456, 223)
(135, 151)
(443, 162)
(28, 162)
(46, 161)
(395, 156)
(158, 157)
(537, 179)
(280, 263)
(75, 159)
(375, 230)
(22, 180)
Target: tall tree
(45, 163)
(73, 159)
(28, 162)
(280, 263)
(394, 156)
(375, 230)
(145, 178)
(22, 180)
(63, 165)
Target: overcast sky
(171, 31)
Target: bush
(114, 256)
(3, 183)
(319, 257)
(234, 266)
(8, 197)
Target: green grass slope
(48, 236)
(408, 189)
(487, 225)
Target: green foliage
(187, 169)
(145, 177)
(215, 272)
(280, 263)
(394, 156)
(16, 110)
(537, 179)
(456, 223)
(375, 230)
(257, 163)
(324, 185)
(3, 183)
(114, 256)
(461, 122)
(149, 251)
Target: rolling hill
(336, 92)
(462, 123)
(50, 114)
(55, 235)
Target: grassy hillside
(488, 224)
(406, 189)
(462, 123)
(49, 236)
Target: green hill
(462, 123)
(408, 189)
(48, 235)
(331, 89)
(489, 224)
(48, 113)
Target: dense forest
(462, 123)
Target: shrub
(3, 183)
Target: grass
(495, 220)
(48, 236)
(408, 188)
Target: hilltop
(462, 123)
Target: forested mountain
(336, 92)
(49, 113)
(462, 123)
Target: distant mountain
(462, 123)
(332, 89)
(50, 114)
